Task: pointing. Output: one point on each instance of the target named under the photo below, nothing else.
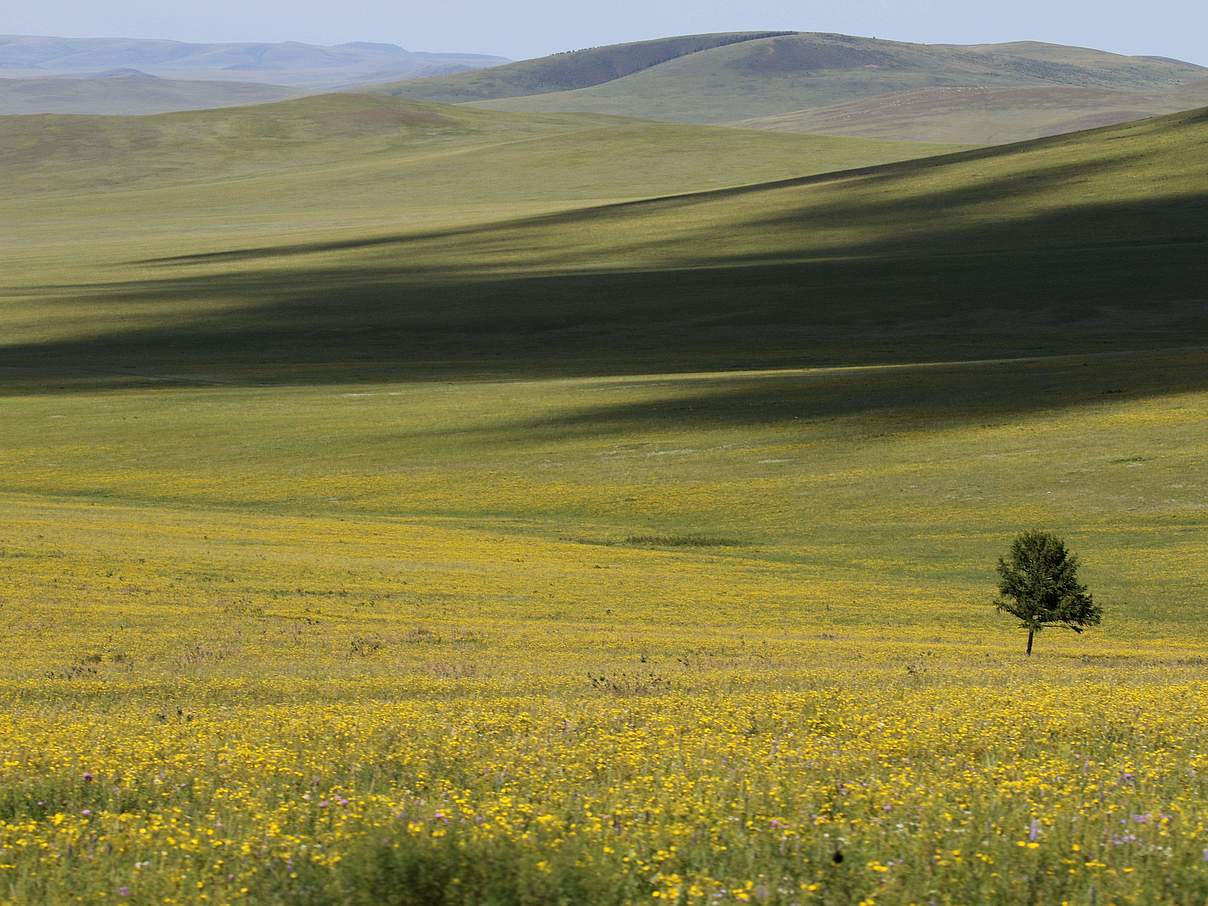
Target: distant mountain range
(288, 64)
(838, 84)
(129, 92)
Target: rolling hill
(332, 161)
(860, 86)
(95, 195)
(128, 92)
(291, 64)
(451, 240)
(566, 71)
(984, 116)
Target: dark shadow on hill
(886, 400)
(1088, 279)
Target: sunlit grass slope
(337, 162)
(431, 514)
(591, 640)
(984, 116)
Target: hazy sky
(527, 28)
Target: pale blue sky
(526, 28)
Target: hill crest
(744, 79)
(568, 70)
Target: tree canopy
(1038, 582)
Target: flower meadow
(938, 794)
(710, 664)
(954, 795)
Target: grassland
(489, 535)
(984, 116)
(843, 85)
(1092, 243)
(567, 71)
(128, 93)
(382, 161)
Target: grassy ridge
(854, 85)
(1096, 238)
(984, 116)
(564, 71)
(343, 169)
(404, 155)
(708, 78)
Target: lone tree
(1039, 585)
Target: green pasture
(404, 504)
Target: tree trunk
(1031, 635)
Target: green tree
(1039, 585)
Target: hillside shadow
(1091, 278)
(886, 400)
